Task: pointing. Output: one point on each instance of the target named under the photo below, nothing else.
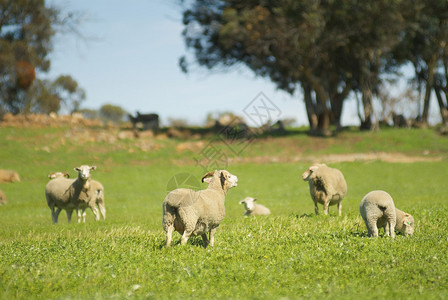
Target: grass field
(290, 254)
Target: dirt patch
(336, 158)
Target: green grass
(290, 254)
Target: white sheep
(195, 213)
(96, 199)
(9, 176)
(2, 198)
(63, 193)
(254, 209)
(327, 186)
(378, 210)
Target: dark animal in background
(145, 121)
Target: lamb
(9, 176)
(327, 186)
(195, 213)
(68, 194)
(97, 199)
(377, 209)
(2, 198)
(254, 209)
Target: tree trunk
(323, 113)
(367, 96)
(442, 106)
(310, 107)
(429, 86)
(337, 101)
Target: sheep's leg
(169, 234)
(84, 214)
(69, 215)
(102, 210)
(326, 203)
(56, 215)
(391, 227)
(316, 208)
(372, 227)
(340, 207)
(95, 211)
(185, 237)
(78, 213)
(212, 236)
(204, 240)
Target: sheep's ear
(407, 215)
(77, 169)
(241, 202)
(51, 175)
(254, 199)
(93, 168)
(66, 175)
(205, 177)
(314, 168)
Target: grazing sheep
(2, 198)
(196, 213)
(63, 193)
(9, 176)
(254, 209)
(54, 175)
(378, 210)
(327, 186)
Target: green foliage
(290, 254)
(26, 30)
(112, 113)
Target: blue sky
(129, 57)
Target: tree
(112, 113)
(47, 96)
(26, 30)
(328, 48)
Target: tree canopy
(26, 31)
(327, 49)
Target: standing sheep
(378, 210)
(96, 199)
(254, 209)
(63, 193)
(327, 186)
(196, 213)
(9, 176)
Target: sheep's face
(249, 203)
(408, 222)
(84, 171)
(229, 180)
(307, 174)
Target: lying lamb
(327, 186)
(254, 209)
(196, 213)
(69, 194)
(378, 211)
(9, 176)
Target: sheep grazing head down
(408, 223)
(84, 171)
(307, 174)
(227, 179)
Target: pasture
(290, 254)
